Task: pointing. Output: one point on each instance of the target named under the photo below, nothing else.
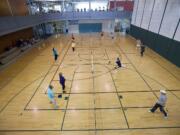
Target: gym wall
(10, 39)
(106, 26)
(166, 47)
(90, 27)
(157, 24)
(14, 8)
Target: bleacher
(14, 52)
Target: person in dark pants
(112, 35)
(142, 50)
(118, 62)
(73, 45)
(72, 37)
(160, 103)
(102, 34)
(62, 81)
(55, 53)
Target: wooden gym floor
(101, 100)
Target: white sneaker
(149, 111)
(165, 117)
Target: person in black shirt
(142, 50)
(118, 62)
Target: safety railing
(15, 23)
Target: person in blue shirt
(118, 62)
(55, 53)
(51, 96)
(62, 81)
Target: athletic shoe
(165, 117)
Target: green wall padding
(174, 52)
(162, 45)
(151, 40)
(90, 27)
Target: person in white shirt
(73, 45)
(160, 103)
(138, 44)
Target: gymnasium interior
(100, 96)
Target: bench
(9, 55)
(25, 47)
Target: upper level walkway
(15, 23)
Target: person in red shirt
(72, 37)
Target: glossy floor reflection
(100, 99)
